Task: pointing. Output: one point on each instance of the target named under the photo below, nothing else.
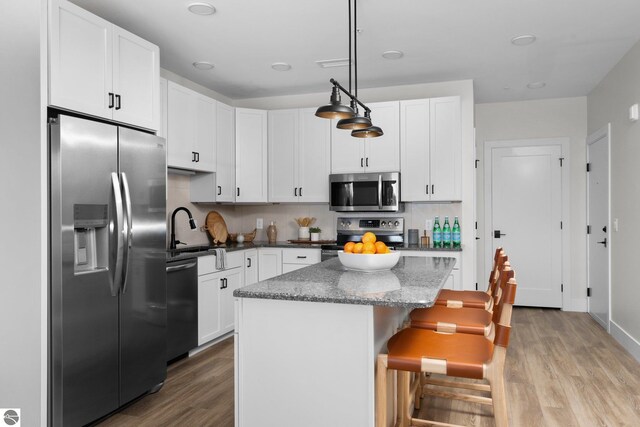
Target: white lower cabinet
(455, 278)
(215, 295)
(269, 263)
(250, 267)
(295, 259)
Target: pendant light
(360, 126)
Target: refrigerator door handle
(117, 271)
(127, 229)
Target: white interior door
(598, 242)
(524, 198)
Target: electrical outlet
(259, 223)
(428, 225)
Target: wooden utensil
(216, 227)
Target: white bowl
(369, 262)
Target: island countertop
(414, 282)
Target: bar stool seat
(468, 299)
(461, 320)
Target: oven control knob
(383, 223)
(348, 223)
(397, 223)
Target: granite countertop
(414, 282)
(186, 252)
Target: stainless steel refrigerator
(108, 281)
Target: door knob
(497, 234)
(604, 242)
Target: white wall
(23, 253)
(565, 117)
(609, 102)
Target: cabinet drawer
(207, 264)
(301, 256)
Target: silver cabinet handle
(127, 229)
(117, 270)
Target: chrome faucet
(192, 224)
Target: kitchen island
(306, 341)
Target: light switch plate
(633, 113)
(428, 225)
(615, 224)
(259, 223)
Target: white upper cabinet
(381, 154)
(431, 147)
(225, 154)
(99, 69)
(191, 129)
(299, 151)
(251, 155)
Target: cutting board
(216, 227)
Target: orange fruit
(368, 252)
(368, 248)
(381, 248)
(368, 237)
(348, 247)
(357, 248)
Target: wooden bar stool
(422, 351)
(463, 320)
(474, 299)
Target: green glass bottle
(455, 233)
(446, 233)
(437, 234)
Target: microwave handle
(380, 192)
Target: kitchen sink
(190, 249)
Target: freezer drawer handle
(180, 267)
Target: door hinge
(560, 225)
(588, 167)
(588, 229)
(561, 287)
(476, 225)
(588, 292)
(561, 159)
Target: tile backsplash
(242, 218)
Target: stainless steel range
(350, 229)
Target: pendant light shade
(370, 132)
(335, 110)
(355, 122)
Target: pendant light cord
(355, 42)
(350, 46)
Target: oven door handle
(380, 192)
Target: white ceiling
(578, 42)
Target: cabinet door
(382, 154)
(162, 129)
(414, 142)
(251, 155)
(250, 267)
(283, 155)
(314, 156)
(225, 153)
(204, 144)
(446, 149)
(208, 307)
(181, 132)
(269, 263)
(136, 74)
(347, 152)
(80, 58)
(232, 281)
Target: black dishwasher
(182, 307)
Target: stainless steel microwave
(365, 192)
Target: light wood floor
(562, 369)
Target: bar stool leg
(381, 391)
(495, 375)
(404, 398)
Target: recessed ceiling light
(392, 54)
(331, 63)
(201, 8)
(281, 66)
(523, 40)
(203, 65)
(536, 85)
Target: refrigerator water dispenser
(90, 237)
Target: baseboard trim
(209, 344)
(626, 340)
